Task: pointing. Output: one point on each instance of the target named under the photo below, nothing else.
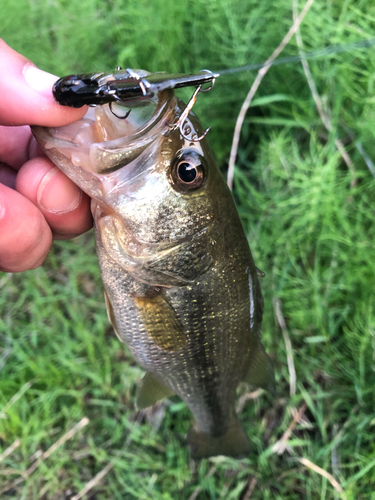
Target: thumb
(26, 94)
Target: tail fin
(234, 443)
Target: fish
(180, 284)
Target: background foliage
(310, 224)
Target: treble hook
(143, 83)
(116, 115)
(181, 121)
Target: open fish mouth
(110, 136)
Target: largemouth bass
(180, 284)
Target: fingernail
(57, 193)
(40, 81)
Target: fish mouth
(109, 137)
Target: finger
(25, 237)
(26, 94)
(17, 146)
(7, 176)
(65, 207)
(14, 145)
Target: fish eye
(188, 172)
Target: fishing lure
(123, 85)
(131, 87)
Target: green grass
(310, 224)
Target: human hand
(38, 203)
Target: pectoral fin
(261, 372)
(111, 314)
(161, 322)
(151, 391)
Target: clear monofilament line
(331, 49)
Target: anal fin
(151, 391)
(261, 372)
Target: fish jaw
(93, 151)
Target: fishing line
(331, 49)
